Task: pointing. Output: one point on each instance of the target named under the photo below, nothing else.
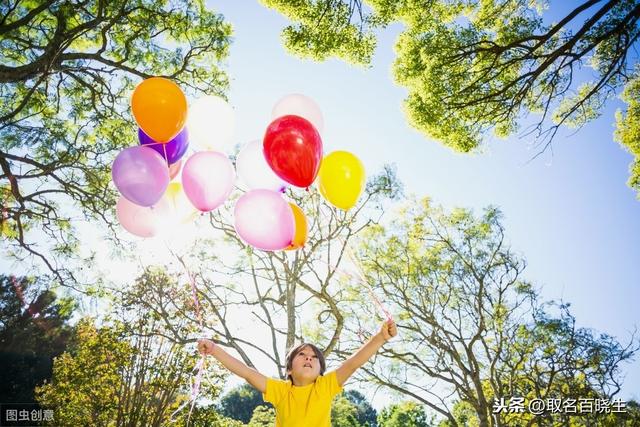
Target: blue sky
(569, 212)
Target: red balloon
(293, 149)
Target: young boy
(304, 400)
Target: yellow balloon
(341, 179)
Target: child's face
(305, 366)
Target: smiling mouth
(306, 365)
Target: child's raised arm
(253, 377)
(371, 347)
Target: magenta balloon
(172, 150)
(207, 179)
(141, 175)
(138, 220)
(264, 220)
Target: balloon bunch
(291, 153)
(150, 201)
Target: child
(304, 400)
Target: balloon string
(154, 143)
(363, 279)
(360, 272)
(166, 158)
(200, 366)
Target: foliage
(628, 128)
(343, 412)
(68, 68)
(472, 67)
(263, 416)
(405, 414)
(86, 380)
(240, 403)
(323, 29)
(110, 377)
(34, 329)
(366, 415)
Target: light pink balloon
(207, 179)
(140, 174)
(264, 220)
(138, 220)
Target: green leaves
(324, 28)
(405, 414)
(68, 69)
(628, 128)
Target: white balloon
(254, 171)
(299, 105)
(211, 123)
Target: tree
(343, 412)
(67, 70)
(263, 416)
(628, 128)
(365, 413)
(241, 402)
(472, 329)
(473, 67)
(110, 377)
(405, 414)
(34, 329)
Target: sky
(569, 212)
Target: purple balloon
(141, 175)
(172, 150)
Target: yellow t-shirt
(307, 406)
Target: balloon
(299, 105)
(254, 171)
(173, 150)
(174, 169)
(211, 124)
(341, 179)
(141, 175)
(300, 235)
(138, 220)
(264, 220)
(160, 108)
(293, 149)
(207, 179)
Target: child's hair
(295, 350)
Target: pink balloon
(138, 220)
(264, 220)
(141, 175)
(207, 179)
(174, 169)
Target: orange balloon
(160, 108)
(300, 236)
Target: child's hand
(388, 330)
(205, 346)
